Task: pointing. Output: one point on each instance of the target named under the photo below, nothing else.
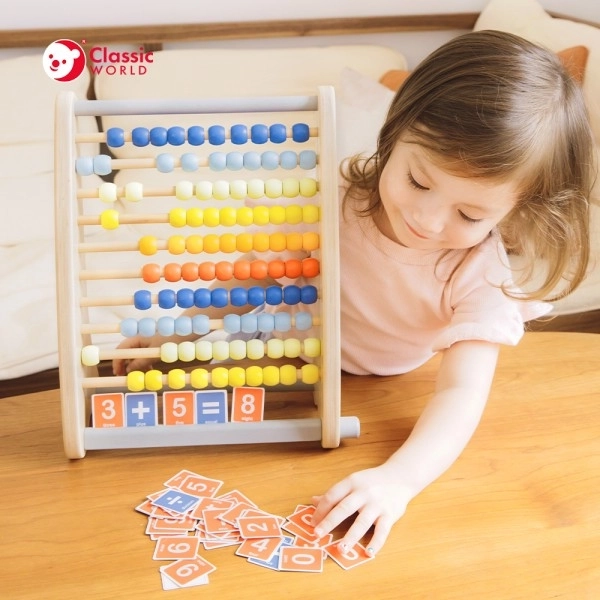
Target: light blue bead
(232, 323)
(288, 159)
(217, 161)
(235, 161)
(189, 162)
(303, 321)
(147, 327)
(283, 321)
(266, 323)
(84, 165)
(183, 325)
(308, 159)
(200, 324)
(269, 160)
(249, 323)
(252, 161)
(165, 163)
(102, 164)
(129, 327)
(166, 326)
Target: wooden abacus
(290, 214)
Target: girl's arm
(380, 495)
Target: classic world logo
(64, 60)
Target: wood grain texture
(515, 518)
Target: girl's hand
(122, 366)
(375, 494)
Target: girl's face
(427, 208)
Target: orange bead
(311, 267)
(276, 269)
(172, 272)
(151, 273)
(189, 271)
(258, 269)
(224, 270)
(206, 271)
(241, 269)
(293, 268)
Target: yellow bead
(135, 381)
(238, 189)
(277, 242)
(219, 377)
(109, 219)
(134, 191)
(211, 217)
(199, 379)
(261, 242)
(176, 379)
(204, 350)
(227, 216)
(221, 190)
(237, 349)
(194, 244)
(148, 245)
(288, 374)
(107, 192)
(245, 216)
(204, 190)
(308, 187)
(184, 190)
(273, 188)
(90, 356)
(254, 376)
(276, 215)
(271, 375)
(312, 347)
(256, 188)
(153, 380)
(244, 242)
(310, 241)
(220, 350)
(195, 217)
(211, 243)
(294, 242)
(237, 377)
(177, 217)
(275, 348)
(176, 244)
(310, 374)
(255, 349)
(292, 348)
(293, 214)
(228, 243)
(168, 352)
(290, 187)
(311, 214)
(186, 351)
(260, 215)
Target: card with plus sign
(141, 409)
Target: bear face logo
(64, 60)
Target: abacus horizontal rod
(171, 106)
(162, 436)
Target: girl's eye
(415, 184)
(467, 218)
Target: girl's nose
(430, 219)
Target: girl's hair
(493, 105)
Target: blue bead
(158, 136)
(140, 136)
(232, 323)
(235, 161)
(288, 160)
(166, 326)
(202, 298)
(273, 295)
(185, 298)
(84, 165)
(167, 299)
(216, 135)
(129, 327)
(259, 134)
(266, 323)
(256, 295)
(249, 323)
(277, 133)
(176, 136)
(291, 294)
(300, 132)
(147, 327)
(102, 164)
(142, 299)
(165, 163)
(200, 324)
(239, 134)
(189, 162)
(269, 160)
(219, 297)
(303, 321)
(308, 159)
(309, 294)
(217, 161)
(283, 321)
(195, 135)
(238, 296)
(183, 325)
(115, 137)
(251, 161)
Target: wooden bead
(109, 219)
(199, 379)
(135, 381)
(176, 379)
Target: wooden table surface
(518, 516)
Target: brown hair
(492, 105)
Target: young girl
(486, 146)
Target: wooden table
(518, 516)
